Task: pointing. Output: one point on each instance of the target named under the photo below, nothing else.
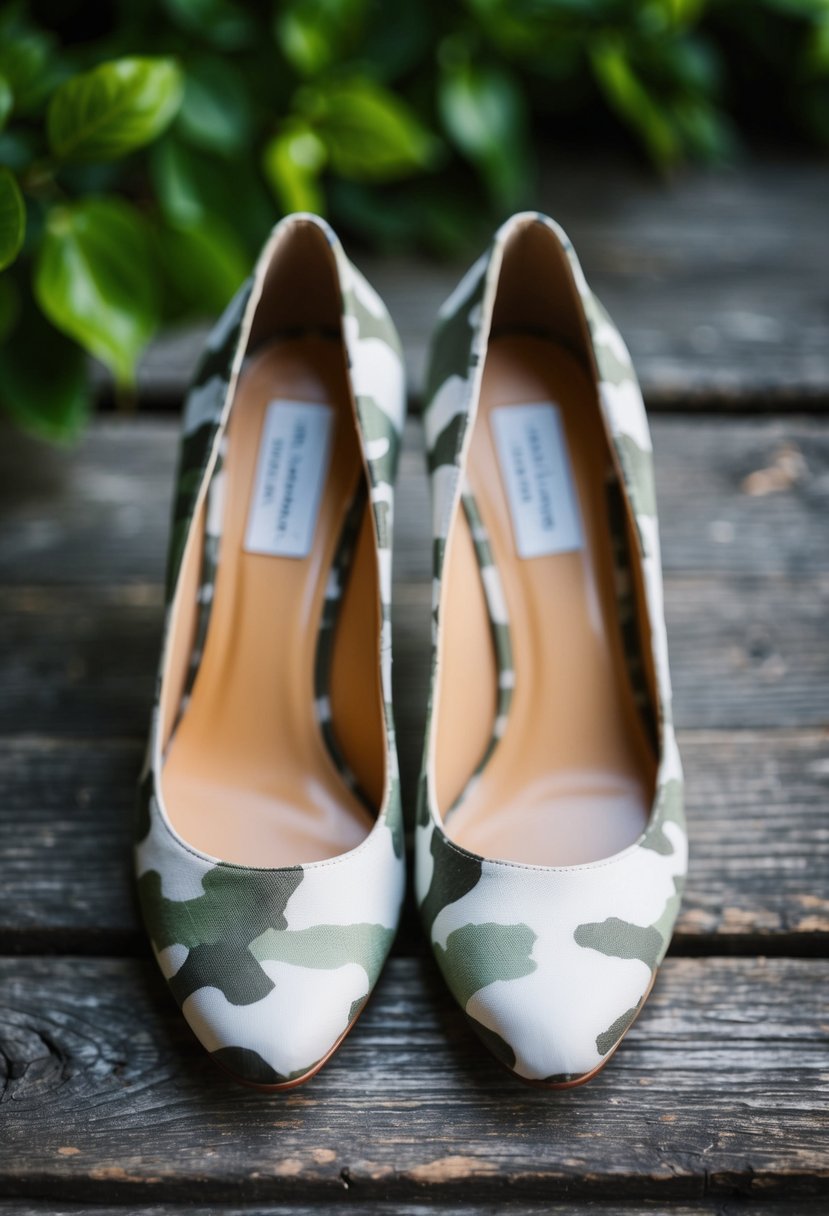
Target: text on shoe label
(290, 473)
(535, 466)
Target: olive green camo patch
(668, 809)
(248, 1064)
(327, 946)
(479, 954)
(621, 939)
(454, 875)
(218, 927)
(499, 1046)
(608, 1039)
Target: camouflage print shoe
(550, 844)
(270, 844)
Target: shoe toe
(547, 1004)
(550, 964)
(287, 1031)
(269, 967)
(555, 1036)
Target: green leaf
(202, 267)
(44, 385)
(706, 131)
(9, 305)
(17, 148)
(26, 64)
(93, 280)
(218, 22)
(631, 99)
(483, 112)
(449, 222)
(312, 34)
(370, 134)
(396, 47)
(817, 50)
(6, 101)
(215, 113)
(292, 163)
(12, 218)
(113, 109)
(192, 187)
(182, 184)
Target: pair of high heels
(550, 848)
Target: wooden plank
(745, 653)
(717, 281)
(756, 813)
(760, 643)
(346, 1207)
(66, 816)
(719, 1089)
(736, 496)
(100, 512)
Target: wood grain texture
(100, 512)
(349, 1205)
(747, 577)
(745, 653)
(748, 641)
(717, 282)
(718, 1088)
(718, 1095)
(756, 811)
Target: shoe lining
(562, 771)
(264, 768)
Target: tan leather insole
(572, 778)
(248, 777)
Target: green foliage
(146, 147)
(44, 377)
(12, 218)
(484, 114)
(113, 109)
(91, 280)
(368, 133)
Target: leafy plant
(146, 147)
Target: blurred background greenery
(148, 145)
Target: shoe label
(291, 468)
(535, 465)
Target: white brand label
(290, 473)
(532, 453)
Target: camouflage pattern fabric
(271, 966)
(334, 592)
(550, 964)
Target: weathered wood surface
(717, 281)
(716, 1090)
(720, 1089)
(736, 496)
(347, 1207)
(750, 663)
(82, 662)
(756, 809)
(747, 576)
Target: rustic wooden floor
(717, 1100)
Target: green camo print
(271, 967)
(551, 964)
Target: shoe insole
(571, 780)
(247, 776)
